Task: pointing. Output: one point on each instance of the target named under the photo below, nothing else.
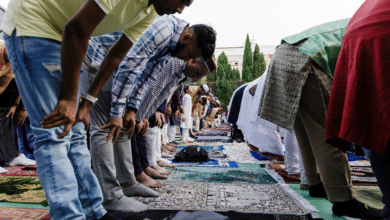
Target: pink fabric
(359, 109)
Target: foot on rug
(165, 150)
(108, 217)
(139, 190)
(124, 204)
(162, 163)
(147, 181)
(318, 191)
(154, 174)
(161, 170)
(355, 209)
(165, 155)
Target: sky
(267, 20)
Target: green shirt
(47, 18)
(323, 43)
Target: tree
(247, 65)
(256, 63)
(223, 90)
(235, 74)
(247, 74)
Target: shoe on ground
(356, 209)
(20, 161)
(2, 170)
(318, 191)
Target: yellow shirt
(47, 18)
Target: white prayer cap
(206, 88)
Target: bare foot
(147, 181)
(161, 170)
(165, 150)
(162, 163)
(153, 173)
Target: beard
(179, 47)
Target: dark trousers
(380, 164)
(8, 148)
(140, 158)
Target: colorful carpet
(222, 139)
(13, 213)
(370, 195)
(17, 171)
(361, 176)
(235, 196)
(222, 162)
(19, 189)
(222, 175)
(206, 147)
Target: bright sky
(268, 20)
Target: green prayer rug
(21, 189)
(222, 175)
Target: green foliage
(247, 65)
(247, 74)
(259, 65)
(256, 62)
(223, 90)
(235, 74)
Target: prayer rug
(240, 153)
(370, 195)
(206, 147)
(17, 171)
(235, 196)
(13, 213)
(21, 189)
(222, 162)
(213, 133)
(222, 139)
(165, 214)
(361, 176)
(222, 175)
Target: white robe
(187, 105)
(259, 132)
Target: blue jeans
(140, 158)
(63, 165)
(380, 164)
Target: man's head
(196, 69)
(195, 42)
(203, 101)
(167, 7)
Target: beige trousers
(322, 162)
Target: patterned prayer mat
(222, 139)
(17, 171)
(237, 196)
(361, 176)
(13, 213)
(213, 133)
(222, 175)
(206, 147)
(222, 162)
(370, 195)
(21, 189)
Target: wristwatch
(90, 98)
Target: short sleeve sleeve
(136, 31)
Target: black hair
(206, 37)
(186, 87)
(204, 100)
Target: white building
(235, 55)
